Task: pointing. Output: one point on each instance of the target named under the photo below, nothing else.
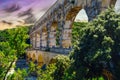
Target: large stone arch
(92, 8)
(67, 28)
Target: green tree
(12, 45)
(32, 69)
(98, 48)
(17, 40)
(6, 58)
(4, 35)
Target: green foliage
(69, 75)
(62, 63)
(98, 48)
(55, 71)
(6, 56)
(18, 75)
(78, 31)
(3, 66)
(32, 68)
(15, 39)
(18, 39)
(24, 73)
(46, 74)
(6, 49)
(4, 36)
(12, 45)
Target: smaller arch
(33, 57)
(29, 57)
(30, 60)
(35, 62)
(40, 60)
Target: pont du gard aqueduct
(58, 20)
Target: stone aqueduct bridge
(53, 30)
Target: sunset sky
(16, 11)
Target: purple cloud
(24, 13)
(12, 8)
(21, 10)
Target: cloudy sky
(18, 10)
(27, 11)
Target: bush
(62, 63)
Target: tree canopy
(98, 50)
(12, 46)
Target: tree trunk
(11, 64)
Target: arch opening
(81, 16)
(33, 57)
(73, 15)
